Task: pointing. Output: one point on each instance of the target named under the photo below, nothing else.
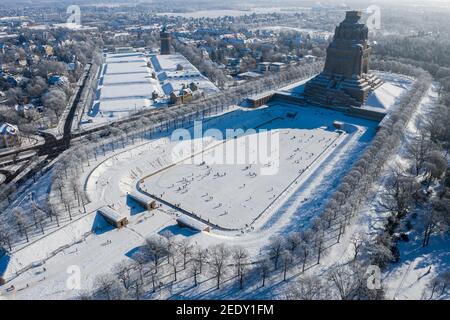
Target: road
(52, 146)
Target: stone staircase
(328, 92)
(337, 91)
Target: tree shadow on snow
(130, 254)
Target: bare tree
(417, 150)
(307, 288)
(294, 239)
(218, 260)
(286, 260)
(67, 201)
(123, 272)
(304, 253)
(185, 248)
(263, 268)
(39, 217)
(169, 243)
(53, 213)
(345, 281)
(200, 256)
(435, 166)
(139, 260)
(398, 194)
(435, 219)
(380, 251)
(154, 276)
(175, 262)
(319, 243)
(20, 220)
(357, 241)
(194, 270)
(155, 249)
(106, 287)
(275, 248)
(5, 236)
(240, 260)
(136, 288)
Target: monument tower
(345, 80)
(166, 41)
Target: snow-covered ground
(407, 278)
(418, 266)
(111, 177)
(381, 99)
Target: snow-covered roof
(7, 129)
(139, 90)
(127, 67)
(127, 78)
(141, 198)
(111, 214)
(123, 105)
(124, 57)
(125, 85)
(250, 74)
(192, 223)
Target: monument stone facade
(166, 41)
(345, 80)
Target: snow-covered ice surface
(233, 195)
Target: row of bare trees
(416, 194)
(345, 282)
(165, 266)
(349, 280)
(164, 261)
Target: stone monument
(345, 80)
